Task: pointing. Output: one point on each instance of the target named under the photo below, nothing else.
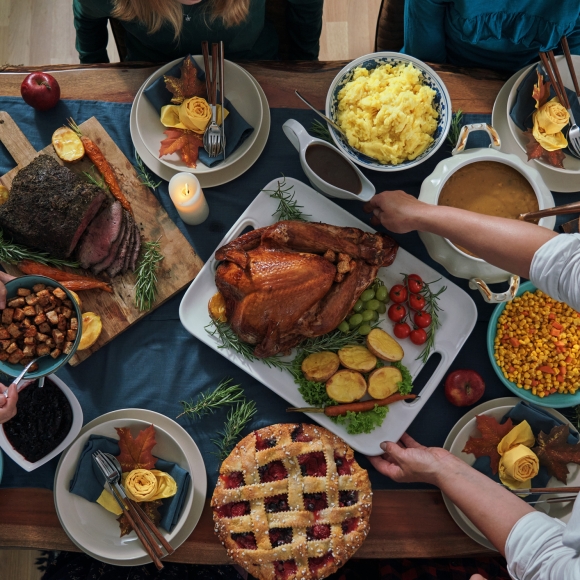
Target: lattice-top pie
(291, 502)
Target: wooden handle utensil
(561, 209)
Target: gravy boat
(299, 137)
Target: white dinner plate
(562, 182)
(228, 173)
(455, 442)
(96, 531)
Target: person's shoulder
(93, 8)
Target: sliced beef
(102, 232)
(117, 266)
(136, 249)
(98, 268)
(49, 207)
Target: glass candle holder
(187, 196)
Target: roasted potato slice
(383, 382)
(384, 346)
(67, 144)
(357, 358)
(4, 194)
(320, 366)
(346, 386)
(91, 329)
(217, 307)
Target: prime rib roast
(293, 280)
(57, 211)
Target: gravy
(489, 188)
(331, 167)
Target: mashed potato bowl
(360, 111)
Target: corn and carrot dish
(537, 344)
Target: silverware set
(551, 490)
(549, 63)
(145, 529)
(214, 139)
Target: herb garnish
(455, 128)
(146, 273)
(238, 418)
(210, 401)
(321, 131)
(144, 175)
(95, 179)
(288, 208)
(406, 385)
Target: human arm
(304, 19)
(507, 244)
(496, 510)
(4, 277)
(425, 29)
(90, 21)
(8, 404)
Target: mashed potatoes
(387, 113)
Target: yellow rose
(549, 120)
(518, 466)
(148, 485)
(195, 114)
(520, 435)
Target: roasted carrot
(96, 156)
(336, 410)
(78, 285)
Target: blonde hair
(155, 13)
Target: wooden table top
(404, 524)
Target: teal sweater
(254, 39)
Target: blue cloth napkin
(88, 481)
(539, 420)
(524, 104)
(236, 128)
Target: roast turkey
(293, 280)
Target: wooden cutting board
(180, 264)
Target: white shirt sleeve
(534, 550)
(555, 269)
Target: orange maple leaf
(151, 509)
(187, 85)
(536, 151)
(554, 452)
(492, 433)
(541, 92)
(186, 143)
(136, 453)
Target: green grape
(372, 305)
(381, 293)
(375, 315)
(368, 294)
(368, 315)
(364, 329)
(344, 326)
(355, 320)
(358, 306)
(382, 308)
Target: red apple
(40, 90)
(464, 387)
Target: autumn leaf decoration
(136, 454)
(554, 452)
(492, 433)
(185, 143)
(541, 92)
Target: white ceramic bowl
(93, 528)
(571, 163)
(371, 61)
(240, 90)
(77, 423)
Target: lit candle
(187, 196)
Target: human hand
(396, 210)
(3, 279)
(8, 405)
(477, 577)
(408, 461)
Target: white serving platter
(458, 317)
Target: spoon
(561, 209)
(17, 380)
(329, 121)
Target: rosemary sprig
(238, 417)
(13, 253)
(432, 307)
(146, 273)
(321, 131)
(95, 178)
(230, 340)
(288, 208)
(334, 340)
(455, 129)
(210, 401)
(144, 175)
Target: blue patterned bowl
(442, 105)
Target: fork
(212, 138)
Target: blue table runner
(156, 363)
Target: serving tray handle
(494, 297)
(466, 129)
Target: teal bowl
(555, 401)
(46, 365)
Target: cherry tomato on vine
(416, 302)
(398, 293)
(396, 312)
(401, 330)
(418, 336)
(415, 283)
(422, 319)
